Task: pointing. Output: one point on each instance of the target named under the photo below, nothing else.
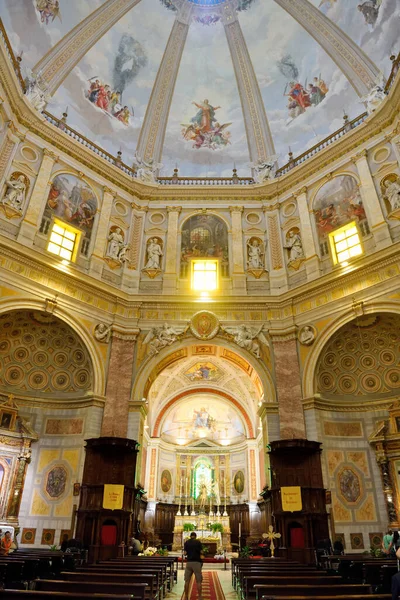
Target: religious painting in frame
(48, 537)
(28, 535)
(7, 419)
(64, 532)
(357, 541)
(166, 481)
(375, 540)
(238, 482)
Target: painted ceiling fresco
(304, 93)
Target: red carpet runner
(212, 589)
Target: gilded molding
(336, 405)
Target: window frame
(71, 229)
(332, 243)
(196, 260)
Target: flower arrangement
(189, 527)
(150, 551)
(216, 527)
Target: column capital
(270, 207)
(238, 209)
(176, 209)
(359, 156)
(302, 190)
(128, 335)
(283, 335)
(50, 154)
(108, 190)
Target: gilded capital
(107, 190)
(238, 209)
(50, 154)
(176, 209)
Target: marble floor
(224, 577)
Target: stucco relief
(349, 485)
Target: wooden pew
(276, 591)
(37, 595)
(134, 590)
(170, 561)
(157, 571)
(356, 597)
(249, 582)
(104, 577)
(288, 573)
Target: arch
(210, 213)
(148, 369)
(325, 180)
(68, 318)
(202, 390)
(308, 382)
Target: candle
(240, 530)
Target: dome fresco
(303, 91)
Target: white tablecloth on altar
(204, 534)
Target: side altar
(201, 522)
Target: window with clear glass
(63, 241)
(345, 243)
(204, 275)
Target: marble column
(277, 267)
(259, 138)
(237, 268)
(288, 384)
(99, 248)
(359, 69)
(60, 60)
(31, 221)
(171, 251)
(152, 133)
(119, 384)
(151, 471)
(307, 237)
(376, 220)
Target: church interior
(200, 275)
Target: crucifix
(271, 536)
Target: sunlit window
(345, 243)
(204, 275)
(63, 241)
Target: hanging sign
(113, 497)
(291, 498)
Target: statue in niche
(295, 247)
(116, 248)
(15, 195)
(36, 91)
(247, 338)
(102, 333)
(307, 335)
(154, 254)
(391, 192)
(255, 254)
(160, 337)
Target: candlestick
(186, 513)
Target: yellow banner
(291, 498)
(113, 497)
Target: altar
(214, 540)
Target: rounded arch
(72, 173)
(151, 368)
(210, 213)
(67, 317)
(308, 379)
(202, 390)
(324, 181)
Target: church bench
(150, 569)
(346, 597)
(287, 573)
(386, 573)
(170, 561)
(135, 590)
(8, 594)
(249, 582)
(104, 577)
(276, 591)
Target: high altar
(214, 540)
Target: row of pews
(281, 579)
(133, 578)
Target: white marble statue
(375, 97)
(102, 333)
(255, 255)
(160, 337)
(116, 245)
(307, 335)
(15, 194)
(295, 246)
(392, 193)
(264, 169)
(154, 254)
(246, 338)
(36, 91)
(146, 171)
(215, 489)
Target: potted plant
(245, 552)
(189, 527)
(215, 527)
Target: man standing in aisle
(194, 564)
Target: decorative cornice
(336, 405)
(283, 335)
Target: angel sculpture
(36, 91)
(264, 169)
(146, 171)
(375, 96)
(246, 338)
(160, 337)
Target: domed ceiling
(287, 62)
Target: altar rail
(189, 181)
